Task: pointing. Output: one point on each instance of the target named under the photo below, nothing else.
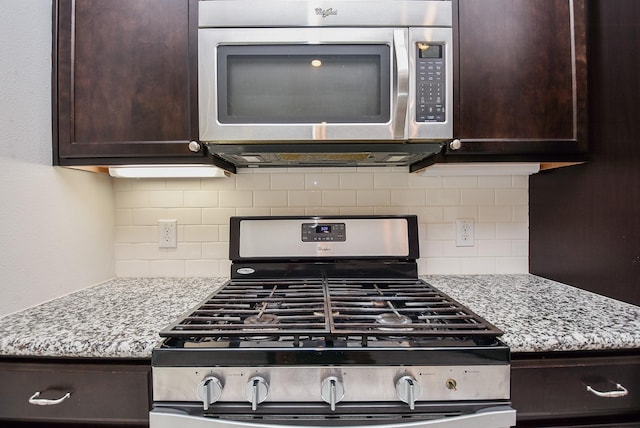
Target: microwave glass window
(304, 84)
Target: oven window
(304, 84)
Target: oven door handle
(401, 56)
(493, 417)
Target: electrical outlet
(464, 232)
(167, 233)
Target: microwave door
(303, 84)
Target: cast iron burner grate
(330, 309)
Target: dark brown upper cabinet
(124, 81)
(520, 83)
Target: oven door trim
(492, 417)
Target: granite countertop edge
(122, 317)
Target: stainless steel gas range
(325, 322)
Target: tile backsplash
(202, 207)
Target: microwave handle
(402, 83)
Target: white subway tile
(520, 181)
(132, 268)
(440, 232)
(505, 265)
(443, 197)
(253, 181)
(423, 182)
(132, 199)
(477, 196)
(373, 198)
(313, 211)
(121, 184)
(288, 211)
(431, 249)
(407, 198)
(201, 198)
(305, 198)
(338, 198)
(356, 211)
(166, 198)
(183, 184)
(134, 234)
(391, 210)
(512, 231)
(223, 236)
(203, 268)
(512, 196)
(184, 251)
(442, 265)
(225, 183)
(235, 199)
(148, 184)
(451, 214)
(449, 249)
(184, 216)
(319, 181)
(201, 233)
(123, 217)
(167, 268)
(495, 213)
(215, 250)
(521, 213)
(123, 251)
(494, 248)
(147, 216)
(478, 265)
(287, 181)
(356, 180)
(390, 180)
(149, 251)
(270, 198)
(217, 215)
(253, 211)
(520, 248)
(429, 214)
(464, 182)
(494, 182)
(485, 230)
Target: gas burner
(262, 319)
(393, 321)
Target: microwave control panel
(430, 82)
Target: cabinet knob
(194, 146)
(455, 144)
(332, 391)
(256, 391)
(209, 391)
(408, 390)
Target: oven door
(502, 416)
(303, 84)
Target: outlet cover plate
(167, 233)
(465, 232)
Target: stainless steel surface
(401, 87)
(212, 130)
(408, 390)
(332, 391)
(361, 383)
(364, 237)
(256, 391)
(320, 13)
(496, 417)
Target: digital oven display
(323, 232)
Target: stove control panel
(323, 232)
(332, 385)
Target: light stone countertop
(121, 318)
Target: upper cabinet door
(521, 81)
(125, 84)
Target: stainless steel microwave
(304, 72)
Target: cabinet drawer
(98, 392)
(555, 388)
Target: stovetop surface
(334, 313)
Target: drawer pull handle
(620, 391)
(46, 402)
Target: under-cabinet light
(166, 171)
(481, 168)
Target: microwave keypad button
(430, 81)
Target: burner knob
(332, 391)
(209, 391)
(256, 391)
(408, 390)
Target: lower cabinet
(109, 393)
(583, 391)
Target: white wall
(202, 207)
(57, 225)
